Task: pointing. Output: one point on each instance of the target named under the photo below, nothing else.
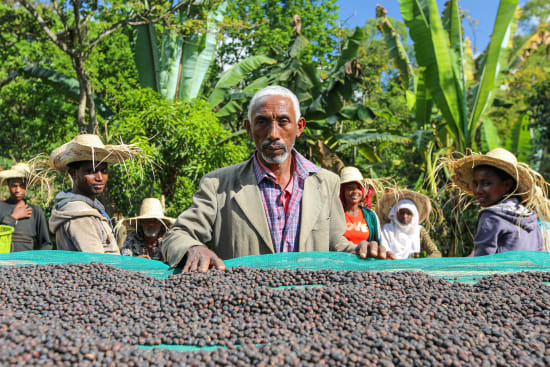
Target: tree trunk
(86, 98)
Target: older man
(277, 201)
(78, 219)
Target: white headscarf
(402, 240)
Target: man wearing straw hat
(79, 220)
(28, 221)
(149, 229)
(276, 201)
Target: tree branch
(45, 27)
(61, 15)
(140, 19)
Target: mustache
(274, 144)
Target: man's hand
(201, 258)
(372, 249)
(21, 211)
(145, 256)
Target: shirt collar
(302, 167)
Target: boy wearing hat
(29, 222)
(509, 193)
(79, 220)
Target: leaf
(146, 57)
(235, 74)
(519, 139)
(421, 138)
(497, 54)
(369, 153)
(299, 44)
(397, 52)
(198, 53)
(489, 136)
(349, 51)
(358, 137)
(357, 112)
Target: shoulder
(230, 172)
(325, 176)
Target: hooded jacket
(81, 224)
(507, 226)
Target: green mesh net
(465, 269)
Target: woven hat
(392, 197)
(352, 174)
(525, 177)
(151, 208)
(18, 170)
(89, 147)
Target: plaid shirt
(284, 226)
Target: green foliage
(183, 140)
(267, 27)
(539, 103)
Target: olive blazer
(228, 216)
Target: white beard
(151, 232)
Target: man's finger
(204, 264)
(362, 249)
(194, 264)
(218, 263)
(373, 249)
(381, 252)
(390, 255)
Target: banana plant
(444, 77)
(172, 65)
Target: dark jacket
(30, 233)
(507, 226)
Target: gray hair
(274, 90)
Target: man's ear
(301, 125)
(248, 128)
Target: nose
(273, 130)
(99, 176)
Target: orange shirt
(356, 228)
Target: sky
(356, 12)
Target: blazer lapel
(312, 202)
(250, 201)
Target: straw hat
(151, 208)
(19, 170)
(392, 197)
(89, 147)
(463, 171)
(352, 174)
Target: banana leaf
(358, 137)
(489, 136)
(519, 139)
(235, 74)
(198, 54)
(432, 47)
(495, 61)
(397, 52)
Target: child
(507, 193)
(404, 210)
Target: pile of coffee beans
(96, 314)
